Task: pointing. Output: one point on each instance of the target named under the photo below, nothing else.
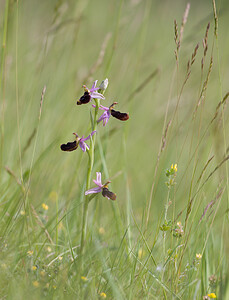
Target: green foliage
(166, 226)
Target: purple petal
(98, 177)
(97, 95)
(88, 137)
(93, 191)
(84, 146)
(104, 108)
(93, 91)
(101, 107)
(93, 88)
(105, 115)
(98, 183)
(105, 121)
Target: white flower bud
(104, 84)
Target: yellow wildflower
(34, 268)
(45, 206)
(174, 167)
(30, 252)
(179, 223)
(84, 278)
(54, 287)
(103, 295)
(101, 230)
(198, 256)
(22, 212)
(60, 257)
(212, 296)
(36, 283)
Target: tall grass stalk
(221, 98)
(5, 26)
(17, 93)
(166, 212)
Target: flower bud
(104, 84)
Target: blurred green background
(65, 44)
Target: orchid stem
(89, 171)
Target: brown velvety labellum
(70, 146)
(118, 115)
(108, 194)
(84, 99)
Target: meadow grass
(166, 235)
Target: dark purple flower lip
(71, 146)
(84, 99)
(90, 94)
(117, 114)
(108, 194)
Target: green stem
(2, 95)
(164, 233)
(89, 171)
(57, 220)
(166, 212)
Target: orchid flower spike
(109, 111)
(71, 146)
(89, 94)
(101, 188)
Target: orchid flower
(105, 116)
(89, 94)
(82, 143)
(70, 146)
(101, 188)
(109, 111)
